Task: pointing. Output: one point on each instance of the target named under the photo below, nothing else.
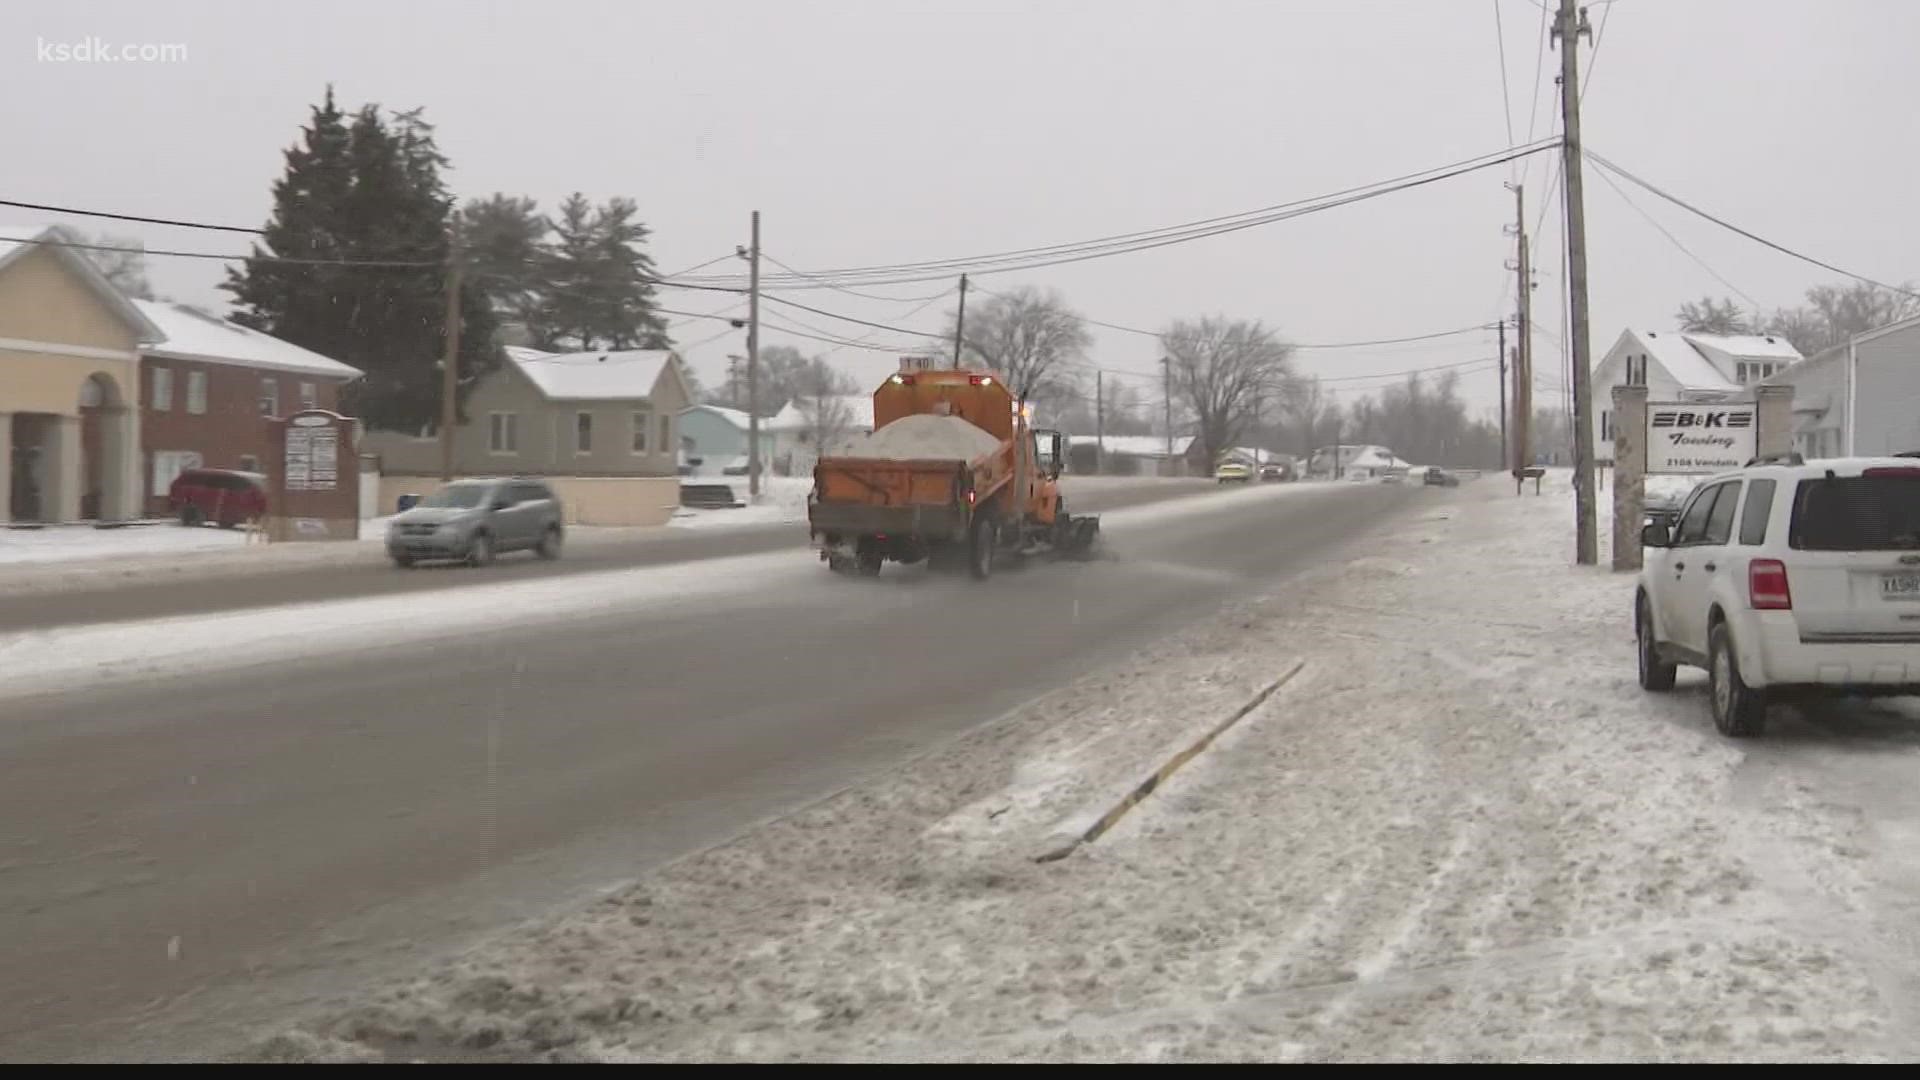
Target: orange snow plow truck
(951, 474)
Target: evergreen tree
(596, 288)
(368, 190)
(505, 239)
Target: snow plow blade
(1081, 532)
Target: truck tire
(1739, 711)
(1656, 674)
(980, 544)
(867, 562)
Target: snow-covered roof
(1727, 352)
(592, 376)
(739, 418)
(793, 416)
(1378, 457)
(1146, 446)
(21, 239)
(1681, 361)
(196, 334)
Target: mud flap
(1081, 534)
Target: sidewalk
(1460, 833)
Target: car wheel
(191, 517)
(549, 546)
(1739, 711)
(1655, 674)
(980, 545)
(404, 562)
(480, 549)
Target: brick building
(208, 389)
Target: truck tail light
(903, 380)
(979, 380)
(1767, 588)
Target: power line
(825, 284)
(1672, 239)
(1403, 374)
(1723, 223)
(1599, 35)
(1506, 97)
(1127, 243)
(173, 222)
(707, 340)
(1533, 99)
(702, 266)
(279, 259)
(832, 340)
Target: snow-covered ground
(783, 501)
(68, 543)
(1461, 833)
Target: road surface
(204, 582)
(187, 858)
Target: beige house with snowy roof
(1678, 366)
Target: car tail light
(1907, 472)
(1767, 588)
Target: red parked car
(226, 497)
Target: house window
(503, 434)
(583, 433)
(1606, 425)
(309, 396)
(162, 397)
(196, 392)
(641, 422)
(666, 429)
(168, 465)
(269, 397)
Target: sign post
(316, 478)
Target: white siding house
(1676, 366)
(1862, 397)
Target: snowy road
(158, 573)
(1461, 833)
(248, 829)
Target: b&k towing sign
(1684, 437)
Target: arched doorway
(105, 445)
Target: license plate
(1900, 587)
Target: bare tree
(124, 263)
(1835, 313)
(1710, 316)
(1032, 338)
(1306, 403)
(1220, 368)
(821, 392)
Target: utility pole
(1503, 387)
(753, 364)
(1166, 393)
(1256, 428)
(1568, 28)
(1523, 347)
(960, 324)
(450, 364)
(1099, 417)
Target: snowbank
(69, 543)
(783, 501)
(1462, 833)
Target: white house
(1128, 455)
(795, 428)
(1678, 366)
(1859, 398)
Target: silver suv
(472, 520)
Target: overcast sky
(875, 132)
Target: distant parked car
(225, 497)
(1437, 477)
(470, 521)
(1233, 472)
(1275, 472)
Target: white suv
(1787, 579)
